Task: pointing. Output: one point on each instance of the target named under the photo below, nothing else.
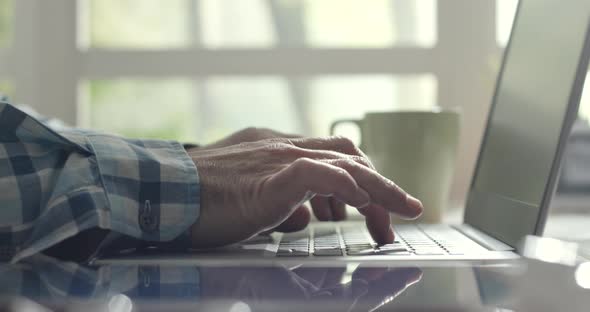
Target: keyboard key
(392, 247)
(296, 253)
(326, 248)
(331, 241)
(360, 252)
(359, 248)
(296, 242)
(327, 252)
(393, 252)
(334, 243)
(292, 249)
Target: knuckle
(250, 131)
(347, 163)
(278, 145)
(270, 132)
(341, 173)
(255, 133)
(345, 142)
(303, 162)
(396, 188)
(285, 148)
(265, 132)
(361, 160)
(300, 167)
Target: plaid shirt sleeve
(56, 182)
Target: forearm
(61, 182)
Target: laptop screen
(535, 102)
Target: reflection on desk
(524, 285)
(151, 288)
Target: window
(338, 97)
(197, 70)
(6, 13)
(383, 23)
(505, 12)
(210, 105)
(6, 88)
(141, 24)
(313, 23)
(136, 24)
(114, 105)
(206, 110)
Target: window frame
(46, 65)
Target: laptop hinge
(482, 238)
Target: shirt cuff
(152, 186)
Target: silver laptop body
(535, 104)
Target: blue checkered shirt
(57, 181)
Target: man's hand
(253, 187)
(325, 208)
(251, 134)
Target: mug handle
(356, 122)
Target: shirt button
(148, 221)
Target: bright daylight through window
(207, 108)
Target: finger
(383, 286)
(385, 197)
(334, 276)
(297, 221)
(383, 191)
(314, 275)
(322, 278)
(368, 273)
(395, 281)
(338, 209)
(294, 184)
(278, 134)
(321, 208)
(379, 224)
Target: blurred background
(197, 70)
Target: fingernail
(414, 204)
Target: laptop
(534, 106)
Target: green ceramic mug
(416, 150)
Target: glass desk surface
(550, 277)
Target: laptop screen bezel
(494, 203)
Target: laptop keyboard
(326, 241)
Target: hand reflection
(368, 287)
(49, 281)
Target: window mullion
(47, 64)
(277, 61)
